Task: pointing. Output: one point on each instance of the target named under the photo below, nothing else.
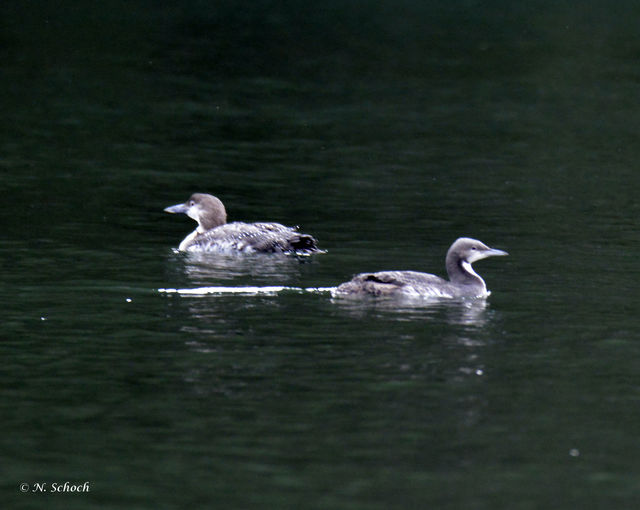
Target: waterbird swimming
(463, 281)
(214, 234)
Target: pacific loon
(214, 234)
(463, 281)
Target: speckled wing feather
(255, 237)
(394, 282)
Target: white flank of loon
(463, 281)
(214, 234)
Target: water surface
(387, 132)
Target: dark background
(385, 129)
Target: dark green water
(387, 131)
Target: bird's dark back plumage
(254, 237)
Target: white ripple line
(248, 290)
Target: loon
(214, 234)
(463, 281)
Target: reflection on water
(201, 269)
(466, 312)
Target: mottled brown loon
(214, 234)
(463, 281)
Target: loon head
(464, 252)
(206, 209)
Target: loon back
(251, 238)
(405, 283)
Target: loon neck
(211, 219)
(461, 272)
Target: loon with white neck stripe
(214, 234)
(463, 281)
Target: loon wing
(256, 237)
(392, 282)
